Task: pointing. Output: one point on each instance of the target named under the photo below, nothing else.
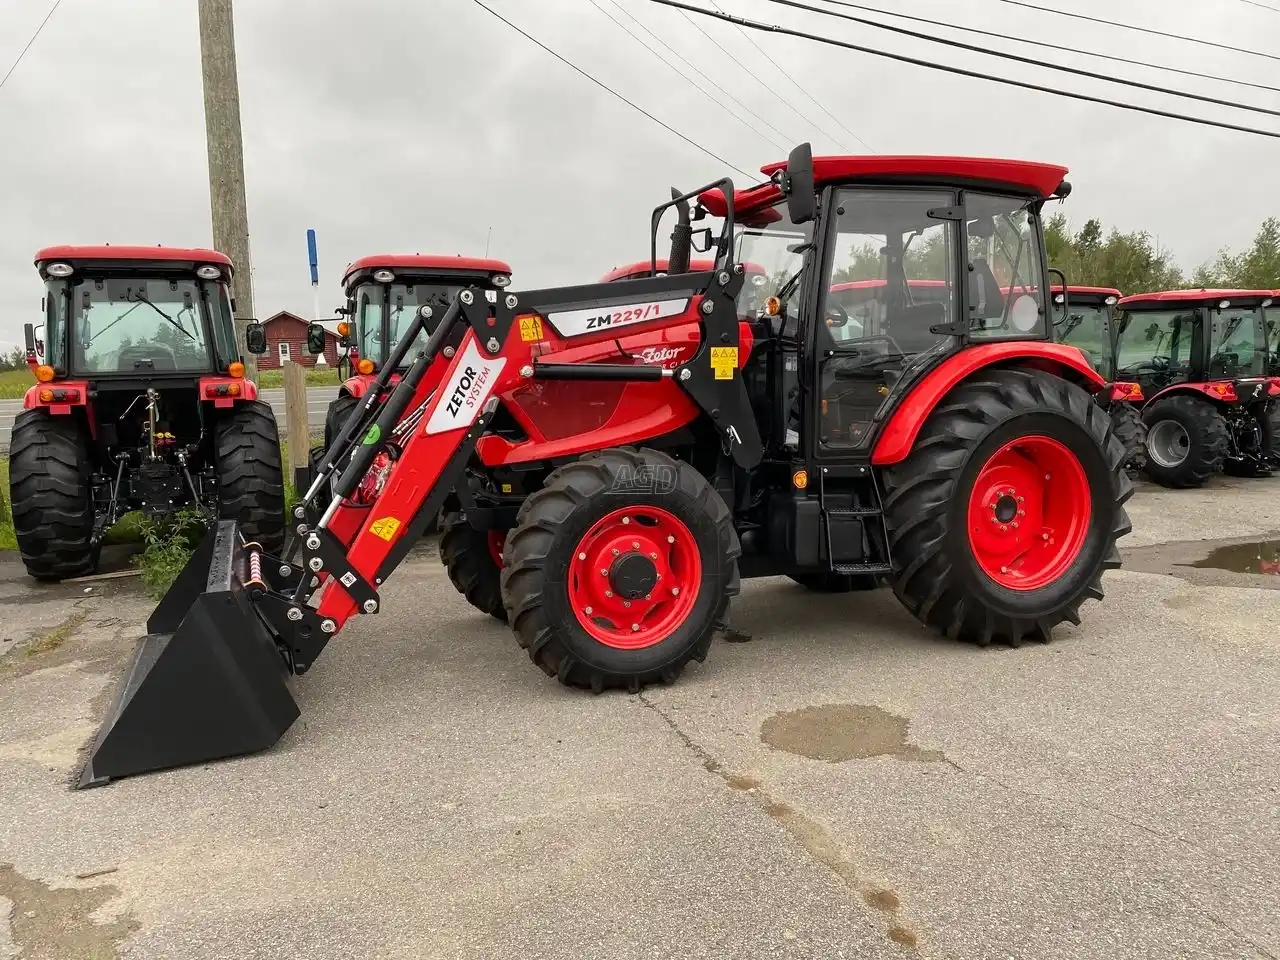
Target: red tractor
(1200, 357)
(1085, 317)
(140, 404)
(960, 456)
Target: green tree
(1257, 268)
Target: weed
(168, 546)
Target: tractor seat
(135, 357)
(985, 298)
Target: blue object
(312, 257)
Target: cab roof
(108, 251)
(1086, 291)
(427, 263)
(1021, 176)
(1202, 295)
(642, 268)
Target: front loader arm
(430, 435)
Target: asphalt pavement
(318, 399)
(841, 784)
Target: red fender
(1222, 391)
(63, 395)
(219, 390)
(899, 434)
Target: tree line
(1131, 263)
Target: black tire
(51, 495)
(936, 573)
(1208, 441)
(540, 548)
(337, 415)
(465, 553)
(1271, 433)
(1131, 430)
(246, 447)
(831, 582)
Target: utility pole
(226, 156)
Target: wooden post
(226, 158)
(297, 430)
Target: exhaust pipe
(208, 680)
(681, 238)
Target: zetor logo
(468, 387)
(661, 355)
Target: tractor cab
(1084, 317)
(1201, 358)
(384, 293)
(139, 373)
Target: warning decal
(385, 528)
(530, 329)
(724, 360)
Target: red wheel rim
(497, 540)
(1029, 513)
(624, 553)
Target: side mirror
(255, 337)
(1152, 331)
(316, 336)
(29, 334)
(797, 185)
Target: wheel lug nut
(635, 628)
(582, 556)
(587, 611)
(1004, 569)
(670, 539)
(1048, 476)
(1003, 527)
(1015, 524)
(635, 545)
(615, 553)
(626, 603)
(1020, 499)
(653, 556)
(675, 591)
(604, 573)
(626, 519)
(608, 593)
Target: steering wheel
(837, 316)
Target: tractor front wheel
(247, 455)
(473, 559)
(1187, 441)
(51, 495)
(619, 569)
(1006, 512)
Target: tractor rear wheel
(246, 445)
(1131, 430)
(473, 559)
(1187, 441)
(832, 582)
(1006, 512)
(619, 569)
(51, 495)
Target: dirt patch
(55, 924)
(55, 638)
(839, 732)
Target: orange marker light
(236, 369)
(800, 479)
(365, 366)
(773, 306)
(46, 396)
(344, 328)
(233, 389)
(44, 373)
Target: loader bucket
(206, 682)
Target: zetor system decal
(574, 323)
(467, 390)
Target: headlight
(383, 276)
(501, 280)
(1059, 299)
(1224, 304)
(59, 270)
(1112, 301)
(208, 272)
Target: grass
(169, 543)
(324, 377)
(14, 383)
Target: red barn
(287, 340)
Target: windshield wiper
(1071, 322)
(142, 299)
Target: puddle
(1258, 558)
(838, 732)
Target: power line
(603, 86)
(1255, 3)
(1029, 61)
(1147, 30)
(795, 83)
(1054, 46)
(640, 40)
(960, 71)
(23, 52)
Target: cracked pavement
(843, 784)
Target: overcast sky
(416, 125)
